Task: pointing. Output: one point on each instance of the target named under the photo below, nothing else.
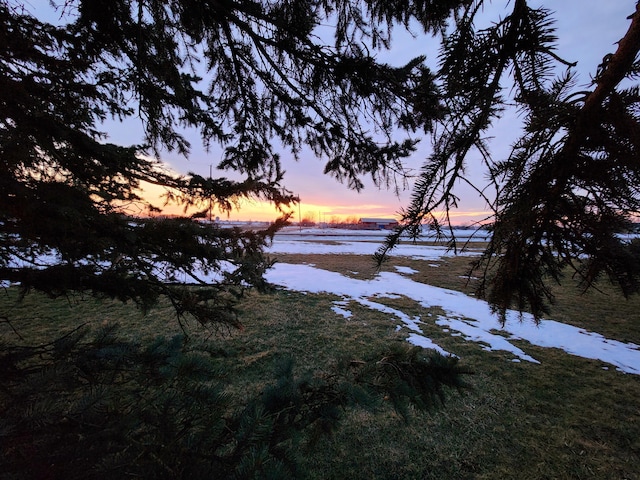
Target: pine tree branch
(617, 67)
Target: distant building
(377, 223)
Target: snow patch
(465, 316)
(405, 270)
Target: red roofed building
(377, 223)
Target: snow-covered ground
(319, 233)
(354, 247)
(357, 242)
(464, 316)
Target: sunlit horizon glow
(587, 32)
(261, 211)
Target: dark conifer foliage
(96, 405)
(251, 76)
(261, 78)
(571, 184)
(255, 77)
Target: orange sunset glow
(325, 212)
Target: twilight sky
(587, 30)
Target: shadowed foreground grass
(564, 418)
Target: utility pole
(210, 200)
(324, 219)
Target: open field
(562, 416)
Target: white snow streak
(468, 316)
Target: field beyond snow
(462, 315)
(554, 401)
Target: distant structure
(377, 223)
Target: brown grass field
(565, 418)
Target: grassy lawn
(566, 417)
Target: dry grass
(566, 418)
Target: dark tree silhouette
(571, 184)
(257, 78)
(253, 77)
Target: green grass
(565, 418)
